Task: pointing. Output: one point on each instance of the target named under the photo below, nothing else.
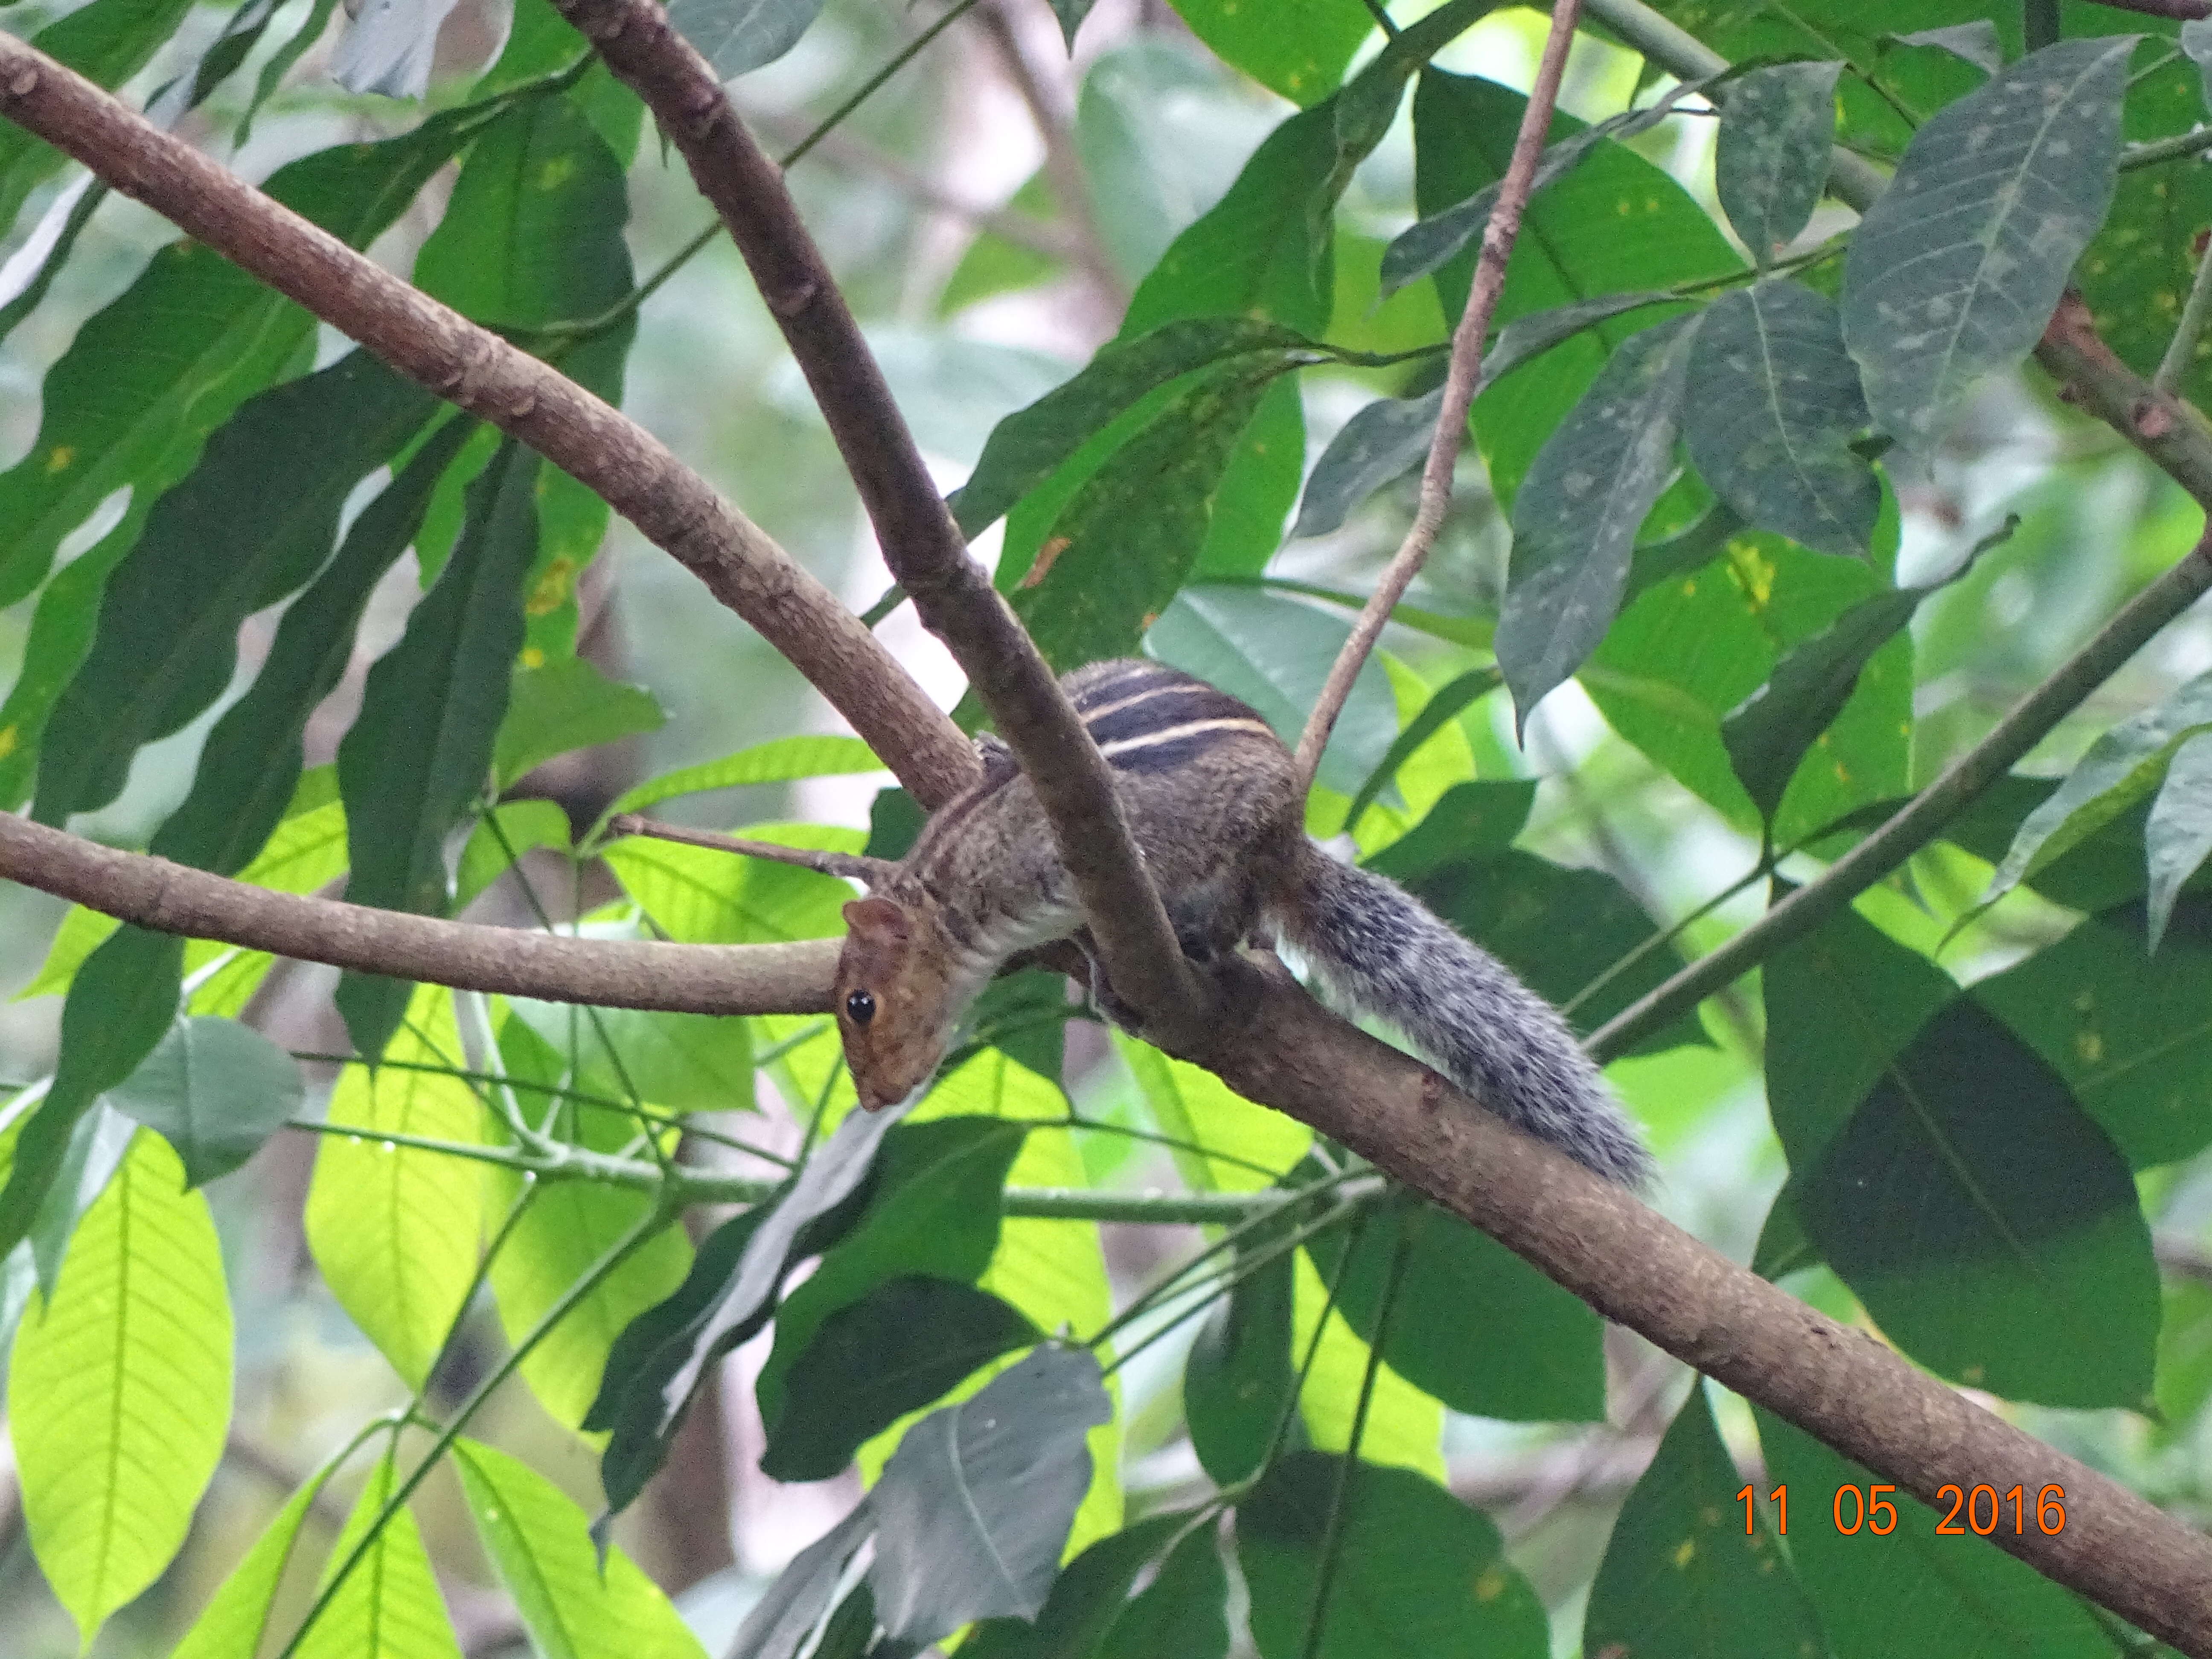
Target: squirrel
(1212, 799)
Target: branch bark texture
(477, 370)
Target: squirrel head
(889, 1001)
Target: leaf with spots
(1772, 158)
(1773, 404)
(1683, 1577)
(1576, 518)
(1955, 269)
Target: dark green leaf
(1181, 1613)
(2120, 769)
(564, 706)
(108, 43)
(58, 233)
(1121, 548)
(739, 36)
(1955, 269)
(1274, 652)
(148, 378)
(1772, 405)
(656, 1364)
(1417, 1571)
(1238, 1381)
(1770, 162)
(250, 764)
(279, 63)
(1841, 1004)
(420, 751)
(851, 1631)
(120, 1004)
(1470, 822)
(2131, 1033)
(1071, 14)
(1439, 237)
(1992, 1228)
(975, 1503)
(1576, 518)
(1683, 1579)
(1966, 1598)
(97, 1147)
(217, 548)
(2179, 834)
(870, 1363)
(1499, 1305)
(934, 1209)
(1382, 441)
(1974, 42)
(214, 1090)
(1768, 734)
(1084, 1601)
(1030, 444)
(895, 820)
(1025, 1016)
(1782, 1248)
(782, 1619)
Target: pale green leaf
(388, 1607)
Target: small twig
(869, 88)
(1461, 378)
(2182, 10)
(2182, 348)
(854, 866)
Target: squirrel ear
(876, 919)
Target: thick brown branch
(920, 541)
(1461, 375)
(611, 454)
(173, 898)
(1271, 1043)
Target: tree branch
(852, 865)
(919, 540)
(1461, 376)
(474, 369)
(173, 898)
(2182, 10)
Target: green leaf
(683, 1062)
(250, 765)
(1382, 441)
(1299, 48)
(148, 378)
(739, 36)
(396, 1229)
(108, 43)
(1470, 822)
(1181, 1615)
(1439, 237)
(520, 826)
(1031, 444)
(1576, 518)
(1498, 1304)
(217, 548)
(2127, 1031)
(215, 1091)
(97, 1147)
(782, 1619)
(1274, 652)
(574, 1605)
(1955, 269)
(2179, 834)
(1990, 1228)
(1239, 1379)
(564, 706)
(1441, 709)
(237, 1618)
(974, 1507)
(1417, 1571)
(1767, 734)
(934, 1210)
(779, 760)
(120, 1005)
(421, 749)
(1967, 1599)
(893, 1351)
(118, 1393)
(1975, 42)
(2120, 769)
(1770, 161)
(389, 1606)
(1129, 537)
(1087, 1597)
(1682, 1577)
(1771, 409)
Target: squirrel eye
(862, 1006)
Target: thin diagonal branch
(853, 866)
(1462, 376)
(618, 459)
(919, 540)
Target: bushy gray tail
(1382, 952)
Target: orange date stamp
(1979, 1510)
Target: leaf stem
(868, 88)
(2181, 349)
